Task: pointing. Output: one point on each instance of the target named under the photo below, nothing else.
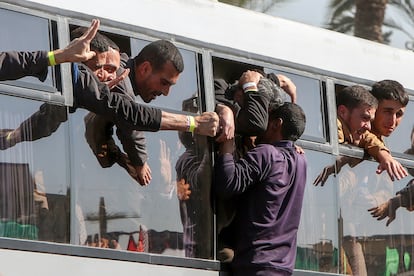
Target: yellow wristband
(191, 126)
(51, 57)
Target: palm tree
(369, 18)
(365, 18)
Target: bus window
(185, 88)
(115, 211)
(310, 98)
(317, 247)
(34, 197)
(12, 23)
(365, 240)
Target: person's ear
(277, 123)
(342, 110)
(144, 68)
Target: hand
(226, 118)
(206, 124)
(79, 49)
(250, 76)
(323, 176)
(112, 83)
(183, 190)
(288, 86)
(387, 209)
(143, 174)
(394, 168)
(300, 150)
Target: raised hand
(78, 49)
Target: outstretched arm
(387, 209)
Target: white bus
(63, 214)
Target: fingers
(91, 32)
(391, 219)
(112, 83)
(395, 170)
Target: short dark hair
(390, 90)
(100, 43)
(355, 96)
(158, 53)
(293, 116)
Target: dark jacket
(88, 92)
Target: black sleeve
(93, 95)
(15, 65)
(252, 118)
(134, 144)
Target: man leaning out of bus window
(356, 111)
(104, 65)
(91, 94)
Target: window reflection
(318, 246)
(367, 242)
(34, 192)
(309, 98)
(12, 23)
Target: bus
(62, 213)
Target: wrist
(191, 124)
(58, 57)
(249, 87)
(51, 58)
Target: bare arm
(205, 124)
(288, 86)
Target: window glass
(14, 26)
(114, 211)
(317, 247)
(185, 88)
(34, 192)
(113, 207)
(370, 247)
(309, 97)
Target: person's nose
(101, 74)
(166, 91)
(368, 125)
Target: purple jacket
(270, 183)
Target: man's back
(269, 209)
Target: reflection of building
(141, 240)
(384, 255)
(28, 213)
(17, 206)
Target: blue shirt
(270, 183)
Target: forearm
(15, 65)
(171, 121)
(204, 124)
(93, 95)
